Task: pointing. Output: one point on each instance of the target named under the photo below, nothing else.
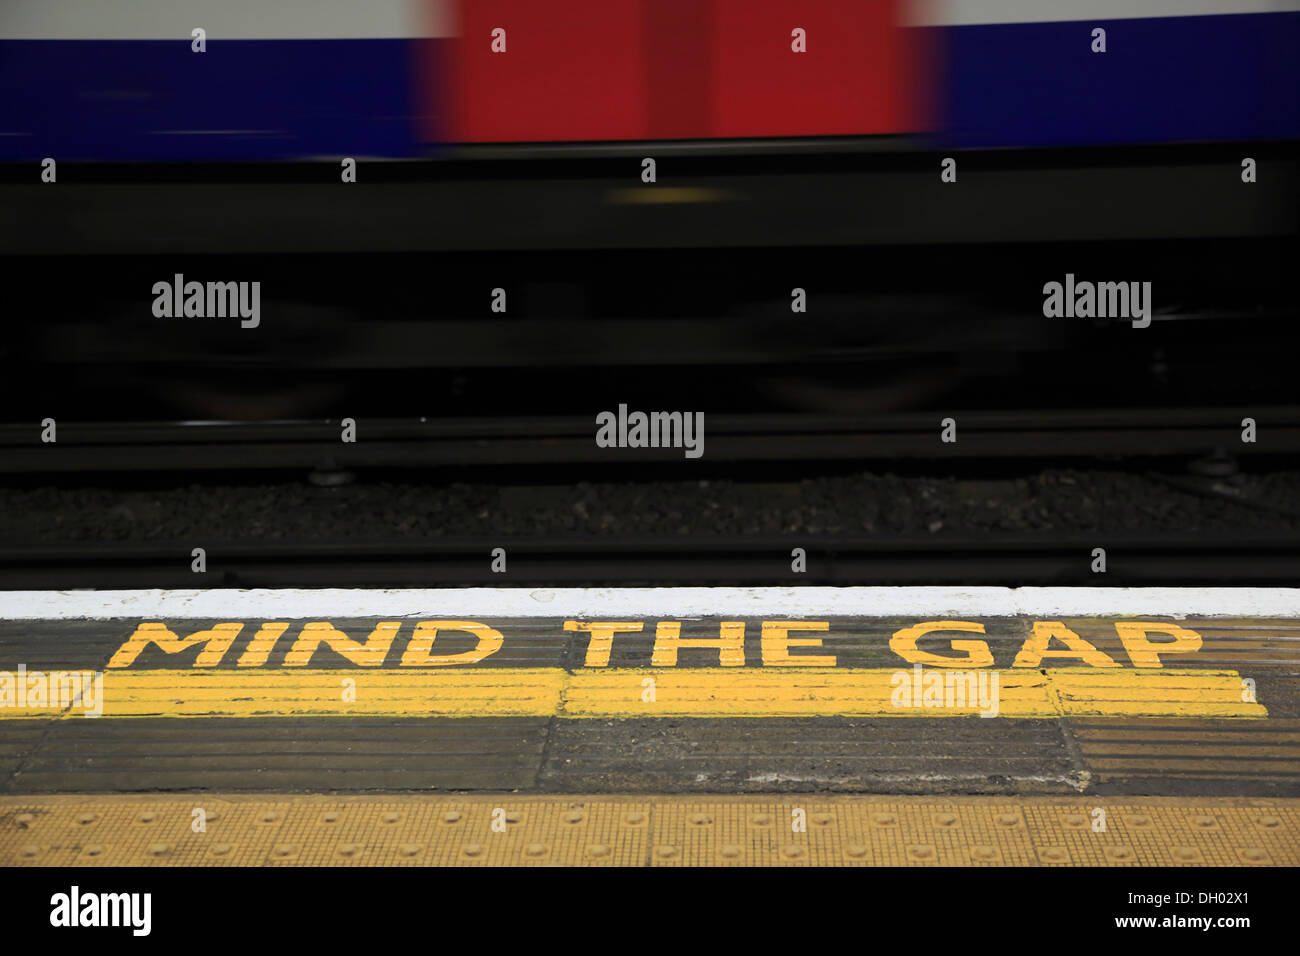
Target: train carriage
(87, 80)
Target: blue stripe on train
(1009, 85)
(1161, 80)
(240, 100)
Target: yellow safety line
(656, 692)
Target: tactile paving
(513, 830)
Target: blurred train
(800, 144)
(110, 80)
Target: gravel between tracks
(1050, 500)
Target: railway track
(1231, 559)
(539, 441)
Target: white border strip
(955, 13)
(921, 603)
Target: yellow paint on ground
(779, 693)
(1189, 693)
(771, 692)
(224, 693)
(1232, 737)
(1107, 725)
(1163, 748)
(653, 830)
(1179, 766)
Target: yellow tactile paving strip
(513, 830)
(652, 692)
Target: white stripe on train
(975, 12)
(226, 19)
(381, 19)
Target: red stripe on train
(678, 69)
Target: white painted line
(918, 603)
